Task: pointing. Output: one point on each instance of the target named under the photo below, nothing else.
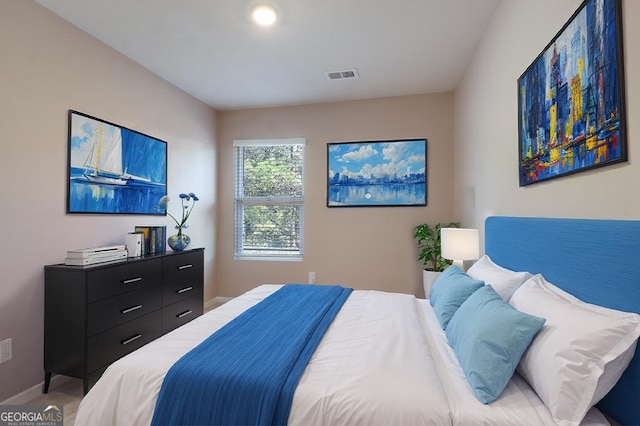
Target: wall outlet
(312, 277)
(5, 350)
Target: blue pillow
(489, 336)
(449, 290)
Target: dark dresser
(95, 314)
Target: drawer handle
(187, 266)
(184, 290)
(132, 280)
(130, 339)
(184, 314)
(131, 309)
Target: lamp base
(463, 264)
(459, 264)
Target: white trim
(271, 201)
(240, 202)
(36, 390)
(270, 257)
(264, 142)
(218, 300)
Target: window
(269, 199)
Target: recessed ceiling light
(264, 15)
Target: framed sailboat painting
(113, 169)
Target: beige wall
(365, 248)
(486, 136)
(49, 67)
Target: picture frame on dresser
(571, 99)
(94, 315)
(113, 169)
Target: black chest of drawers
(97, 314)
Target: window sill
(270, 258)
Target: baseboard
(36, 390)
(215, 302)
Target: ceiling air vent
(341, 75)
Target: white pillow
(504, 281)
(568, 358)
(614, 369)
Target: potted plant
(429, 254)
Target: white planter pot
(428, 277)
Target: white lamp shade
(460, 243)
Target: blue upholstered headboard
(596, 260)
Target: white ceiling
(211, 50)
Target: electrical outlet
(5, 350)
(312, 277)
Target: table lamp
(460, 244)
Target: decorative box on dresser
(95, 314)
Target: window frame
(240, 201)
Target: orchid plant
(188, 202)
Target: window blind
(269, 199)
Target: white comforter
(374, 366)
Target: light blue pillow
(449, 290)
(489, 337)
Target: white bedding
(374, 366)
(518, 402)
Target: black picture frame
(571, 99)
(113, 169)
(380, 173)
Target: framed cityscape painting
(571, 105)
(377, 173)
(112, 169)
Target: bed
(386, 359)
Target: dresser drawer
(104, 348)
(107, 282)
(179, 313)
(180, 288)
(182, 266)
(116, 310)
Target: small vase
(179, 241)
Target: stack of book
(154, 239)
(90, 256)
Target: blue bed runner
(246, 372)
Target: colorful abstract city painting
(377, 173)
(571, 106)
(114, 170)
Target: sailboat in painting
(113, 169)
(104, 163)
